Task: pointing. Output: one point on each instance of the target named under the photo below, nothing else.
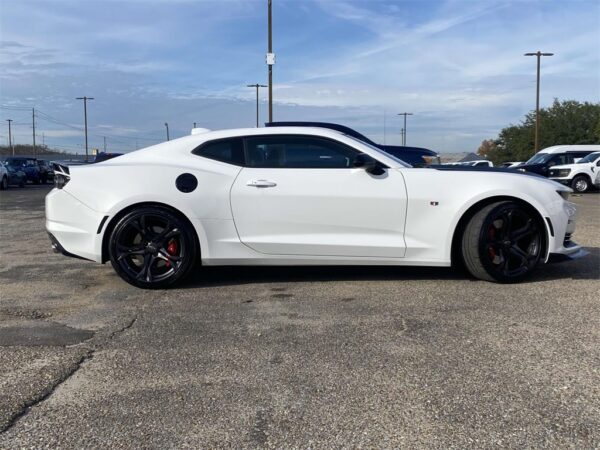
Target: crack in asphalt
(45, 393)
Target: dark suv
(27, 165)
(415, 156)
(46, 172)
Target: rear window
(229, 151)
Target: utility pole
(85, 99)
(167, 126)
(194, 124)
(104, 138)
(270, 59)
(256, 86)
(33, 122)
(10, 137)
(404, 129)
(402, 135)
(537, 97)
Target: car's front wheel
(503, 242)
(580, 183)
(4, 184)
(152, 247)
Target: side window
(560, 159)
(298, 152)
(230, 151)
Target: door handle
(261, 183)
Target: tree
(566, 122)
(487, 148)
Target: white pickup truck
(581, 175)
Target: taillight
(60, 180)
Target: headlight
(564, 194)
(521, 170)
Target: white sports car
(297, 196)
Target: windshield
(589, 158)
(378, 150)
(539, 158)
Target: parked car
(301, 196)
(415, 156)
(27, 165)
(581, 175)
(105, 156)
(556, 156)
(509, 164)
(11, 176)
(46, 171)
(478, 163)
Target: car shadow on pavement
(587, 268)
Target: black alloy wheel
(151, 247)
(503, 242)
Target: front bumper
(562, 257)
(565, 181)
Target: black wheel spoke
(163, 254)
(145, 272)
(526, 230)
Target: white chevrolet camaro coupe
(300, 196)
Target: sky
(457, 65)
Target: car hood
(485, 169)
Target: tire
(503, 242)
(152, 247)
(23, 182)
(580, 184)
(4, 184)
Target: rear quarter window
(230, 151)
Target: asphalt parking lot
(294, 357)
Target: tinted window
(298, 152)
(590, 158)
(224, 150)
(560, 159)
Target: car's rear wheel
(580, 183)
(4, 184)
(152, 247)
(503, 242)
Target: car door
(301, 195)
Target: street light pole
(10, 137)
(85, 99)
(167, 127)
(537, 97)
(270, 59)
(256, 86)
(404, 129)
(33, 126)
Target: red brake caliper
(172, 249)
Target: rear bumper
(73, 226)
(57, 248)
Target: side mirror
(366, 162)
